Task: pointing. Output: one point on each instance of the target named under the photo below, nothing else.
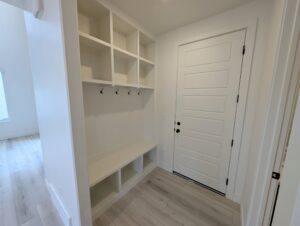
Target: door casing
(242, 139)
(237, 40)
(290, 105)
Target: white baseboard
(242, 214)
(58, 204)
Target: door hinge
(276, 175)
(238, 98)
(244, 49)
(232, 141)
(227, 181)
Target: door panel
(202, 125)
(208, 83)
(204, 103)
(204, 80)
(208, 54)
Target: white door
(208, 84)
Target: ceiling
(159, 16)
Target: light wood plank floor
(164, 199)
(24, 200)
(161, 199)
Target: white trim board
(33, 6)
(242, 214)
(281, 77)
(241, 140)
(58, 204)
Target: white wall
(15, 66)
(167, 74)
(54, 87)
(288, 205)
(274, 91)
(107, 128)
(252, 202)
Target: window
(3, 106)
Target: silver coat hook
(117, 92)
(101, 91)
(129, 92)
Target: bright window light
(3, 105)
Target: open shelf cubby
(125, 69)
(146, 75)
(104, 189)
(95, 61)
(149, 158)
(124, 35)
(100, 168)
(146, 48)
(130, 171)
(94, 20)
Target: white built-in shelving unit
(112, 175)
(113, 52)
(146, 47)
(116, 55)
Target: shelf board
(103, 82)
(105, 165)
(92, 41)
(146, 87)
(124, 54)
(126, 85)
(144, 61)
(96, 81)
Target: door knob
(177, 130)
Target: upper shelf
(96, 81)
(113, 51)
(92, 41)
(146, 62)
(125, 36)
(94, 19)
(123, 53)
(105, 165)
(146, 47)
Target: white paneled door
(207, 96)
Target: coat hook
(117, 92)
(129, 92)
(101, 91)
(139, 92)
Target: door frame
(289, 108)
(241, 138)
(285, 53)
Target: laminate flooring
(161, 199)
(24, 199)
(165, 199)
